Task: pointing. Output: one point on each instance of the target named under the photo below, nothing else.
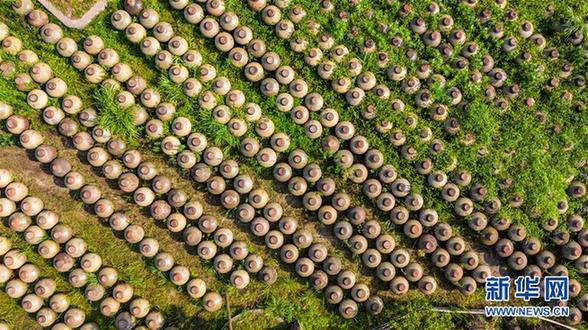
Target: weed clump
(112, 117)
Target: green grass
(112, 117)
(482, 119)
(7, 139)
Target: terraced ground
(297, 164)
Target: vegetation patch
(115, 119)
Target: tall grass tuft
(170, 91)
(111, 117)
(572, 22)
(7, 140)
(16, 99)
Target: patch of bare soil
(73, 8)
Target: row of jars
(164, 59)
(575, 231)
(576, 285)
(300, 114)
(264, 126)
(511, 91)
(528, 35)
(258, 227)
(221, 86)
(133, 233)
(454, 94)
(255, 71)
(84, 141)
(161, 209)
(311, 173)
(178, 46)
(366, 81)
(417, 25)
(178, 221)
(273, 8)
(18, 276)
(436, 179)
(505, 237)
(464, 203)
(461, 207)
(47, 224)
(268, 274)
(492, 229)
(202, 174)
(94, 44)
(319, 123)
(341, 202)
(144, 15)
(260, 5)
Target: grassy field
(540, 157)
(73, 9)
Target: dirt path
(75, 23)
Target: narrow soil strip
(76, 23)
